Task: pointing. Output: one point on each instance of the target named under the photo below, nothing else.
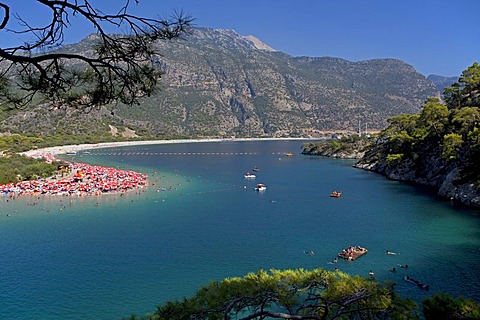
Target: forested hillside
(438, 147)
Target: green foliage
(347, 144)
(451, 145)
(308, 294)
(14, 168)
(466, 92)
(466, 119)
(433, 118)
(400, 142)
(401, 122)
(444, 307)
(394, 158)
(291, 294)
(335, 145)
(18, 143)
(116, 67)
(440, 133)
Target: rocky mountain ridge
(218, 83)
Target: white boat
(260, 187)
(249, 175)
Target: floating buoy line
(146, 153)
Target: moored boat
(249, 175)
(335, 194)
(260, 187)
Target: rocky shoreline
(338, 154)
(344, 148)
(442, 179)
(435, 173)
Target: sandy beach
(81, 147)
(84, 179)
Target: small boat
(288, 154)
(335, 194)
(71, 152)
(255, 168)
(418, 283)
(249, 175)
(260, 187)
(352, 253)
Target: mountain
(218, 83)
(442, 82)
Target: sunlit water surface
(111, 256)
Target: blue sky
(435, 36)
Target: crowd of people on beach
(78, 179)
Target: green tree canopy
(444, 134)
(433, 118)
(118, 67)
(466, 119)
(444, 307)
(291, 294)
(466, 92)
(452, 142)
(14, 168)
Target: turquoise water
(108, 257)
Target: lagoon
(108, 257)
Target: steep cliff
(427, 168)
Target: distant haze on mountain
(441, 82)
